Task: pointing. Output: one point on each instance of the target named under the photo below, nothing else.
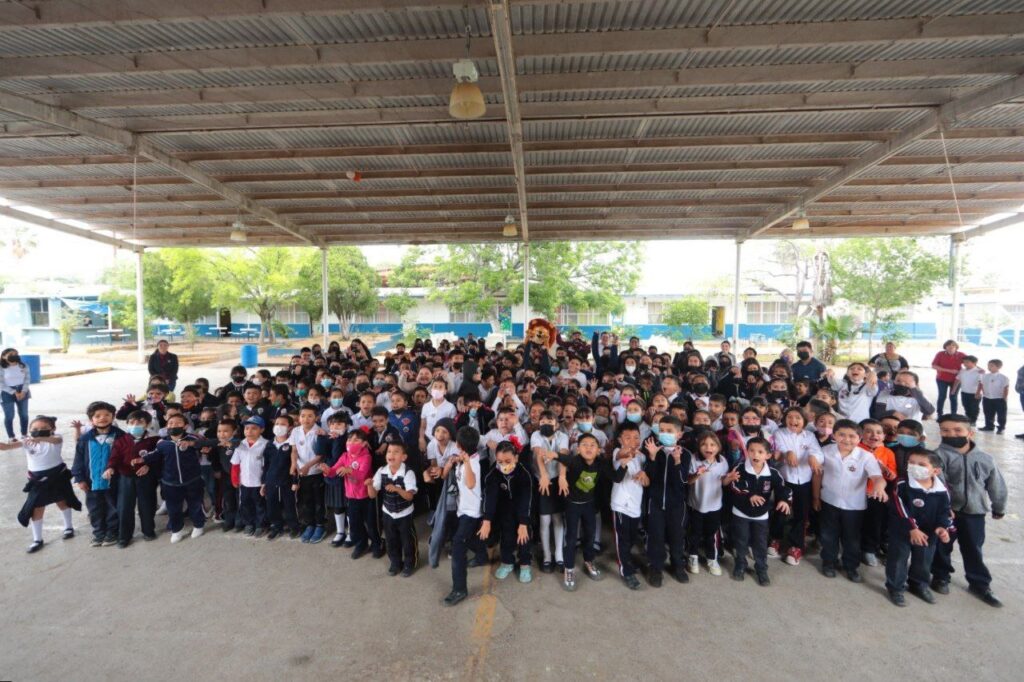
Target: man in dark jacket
(164, 363)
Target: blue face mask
(137, 430)
(585, 427)
(472, 413)
(336, 402)
(634, 417)
(907, 441)
(655, 428)
(667, 439)
(326, 383)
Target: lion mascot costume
(542, 333)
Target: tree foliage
(352, 285)
(260, 280)
(692, 312)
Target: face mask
(301, 392)
(354, 448)
(339, 430)
(457, 366)
(336, 402)
(630, 369)
(751, 429)
(901, 390)
(40, 433)
(280, 430)
(379, 383)
(634, 417)
(667, 439)
(136, 430)
(607, 385)
(555, 369)
(700, 428)
(778, 395)
(547, 430)
(507, 468)
(314, 401)
(700, 389)
(655, 428)
(587, 427)
(176, 431)
(599, 420)
(326, 383)
(803, 355)
(472, 413)
(955, 441)
(437, 394)
(626, 399)
(362, 386)
(918, 472)
(907, 441)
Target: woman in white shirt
(14, 391)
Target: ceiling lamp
(239, 233)
(801, 222)
(466, 101)
(510, 229)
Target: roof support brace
(58, 226)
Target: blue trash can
(35, 371)
(250, 355)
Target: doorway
(718, 321)
(224, 321)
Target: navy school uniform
(912, 507)
(181, 479)
(331, 449)
(229, 492)
(665, 507)
(508, 499)
(407, 423)
(278, 481)
(399, 530)
(92, 455)
(750, 521)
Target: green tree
(400, 304)
(192, 283)
(478, 277)
(309, 295)
(260, 280)
(881, 276)
(691, 311)
(351, 285)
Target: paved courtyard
(231, 607)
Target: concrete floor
(230, 607)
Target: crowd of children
(686, 457)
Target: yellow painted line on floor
(483, 624)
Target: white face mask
(630, 368)
(280, 430)
(506, 468)
(918, 472)
(437, 394)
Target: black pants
(906, 561)
(401, 540)
(311, 501)
(102, 506)
(873, 534)
(752, 533)
(145, 499)
(191, 494)
(362, 522)
(229, 503)
(281, 506)
(792, 527)
(995, 412)
(945, 388)
(840, 526)
(576, 515)
(970, 535)
(704, 530)
(626, 532)
(511, 551)
(970, 401)
(666, 525)
(465, 538)
(127, 497)
(250, 506)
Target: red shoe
(773, 548)
(793, 556)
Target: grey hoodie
(973, 481)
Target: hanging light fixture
(510, 229)
(239, 232)
(801, 222)
(466, 101)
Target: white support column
(323, 290)
(736, 301)
(954, 283)
(526, 285)
(140, 313)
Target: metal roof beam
(1009, 221)
(58, 226)
(948, 114)
(129, 140)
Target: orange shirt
(886, 459)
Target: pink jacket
(355, 482)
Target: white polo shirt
(470, 499)
(969, 379)
(558, 442)
(705, 494)
(249, 457)
(844, 484)
(431, 413)
(804, 444)
(305, 448)
(383, 478)
(434, 452)
(628, 495)
(993, 385)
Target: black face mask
(607, 385)
(362, 387)
(901, 390)
(456, 366)
(700, 389)
(176, 431)
(40, 433)
(955, 441)
(14, 359)
(238, 378)
(750, 429)
(547, 430)
(803, 355)
(778, 395)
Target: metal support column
(140, 313)
(526, 286)
(736, 302)
(323, 290)
(954, 283)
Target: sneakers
(870, 559)
(679, 573)
(828, 571)
(503, 571)
(987, 428)
(793, 556)
(922, 593)
(986, 595)
(96, 542)
(592, 571)
(250, 530)
(177, 537)
(693, 564)
(656, 579)
(377, 552)
(773, 549)
(318, 535)
(110, 541)
(632, 582)
(762, 579)
(35, 546)
(197, 533)
(714, 568)
(897, 598)
(339, 540)
(525, 574)
(162, 511)
(940, 586)
(569, 582)
(454, 597)
(308, 533)
(407, 571)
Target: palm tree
(831, 332)
(21, 241)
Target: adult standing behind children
(14, 393)
(807, 366)
(164, 363)
(947, 363)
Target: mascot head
(542, 333)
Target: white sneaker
(870, 558)
(197, 532)
(176, 537)
(162, 511)
(714, 568)
(693, 564)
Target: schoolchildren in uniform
(124, 462)
(331, 447)
(667, 465)
(306, 462)
(920, 518)
(247, 464)
(753, 492)
(968, 381)
(227, 432)
(709, 472)
(546, 445)
(856, 391)
(873, 535)
(797, 456)
(466, 465)
(90, 471)
(508, 497)
(355, 467)
(629, 481)
(49, 480)
(578, 480)
(278, 486)
(976, 487)
(396, 484)
(994, 389)
(181, 482)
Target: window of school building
(570, 317)
(471, 316)
(655, 312)
(40, 308)
(768, 312)
(380, 316)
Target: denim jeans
(945, 388)
(10, 405)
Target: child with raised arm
(92, 474)
(508, 496)
(135, 487)
(181, 481)
(578, 480)
(753, 491)
(466, 464)
(797, 456)
(709, 472)
(546, 445)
